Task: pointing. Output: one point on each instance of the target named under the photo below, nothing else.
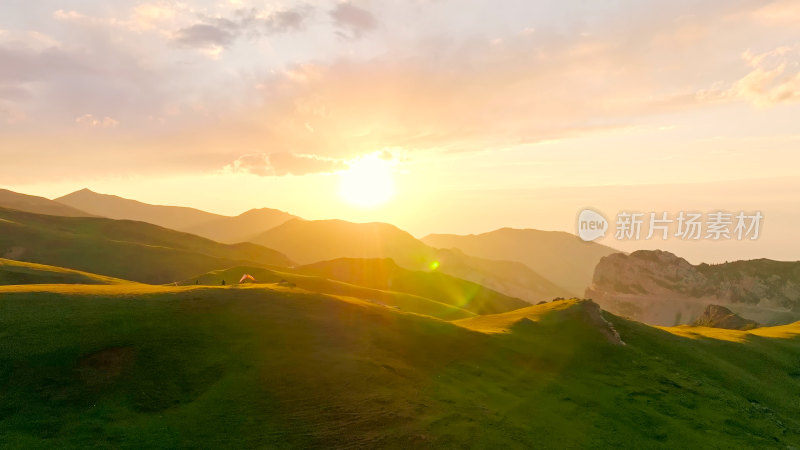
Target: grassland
(385, 274)
(17, 272)
(402, 301)
(141, 366)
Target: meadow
(140, 366)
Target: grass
(399, 300)
(266, 366)
(385, 274)
(17, 272)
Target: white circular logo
(591, 225)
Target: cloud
(89, 120)
(775, 77)
(205, 35)
(283, 163)
(431, 85)
(781, 12)
(223, 31)
(352, 21)
(141, 18)
(288, 20)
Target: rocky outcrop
(660, 288)
(716, 316)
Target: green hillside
(16, 272)
(120, 248)
(241, 367)
(310, 241)
(385, 274)
(401, 301)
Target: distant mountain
(124, 249)
(114, 207)
(310, 241)
(384, 274)
(228, 229)
(561, 257)
(660, 288)
(716, 316)
(38, 205)
(241, 228)
(322, 240)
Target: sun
(368, 182)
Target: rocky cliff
(716, 316)
(660, 288)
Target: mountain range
(226, 229)
(130, 250)
(39, 205)
(308, 241)
(561, 257)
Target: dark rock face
(660, 288)
(716, 316)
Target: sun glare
(368, 182)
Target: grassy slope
(131, 250)
(385, 274)
(403, 301)
(16, 272)
(149, 366)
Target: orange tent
(247, 277)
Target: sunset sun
(368, 182)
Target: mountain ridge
(309, 241)
(561, 257)
(131, 250)
(38, 205)
(218, 227)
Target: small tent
(247, 278)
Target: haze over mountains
(227, 229)
(320, 240)
(525, 264)
(560, 257)
(39, 205)
(313, 241)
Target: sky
(479, 114)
